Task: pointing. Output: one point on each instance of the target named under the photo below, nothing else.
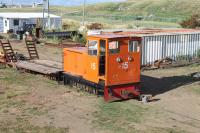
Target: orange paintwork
(92, 69)
(74, 60)
(78, 62)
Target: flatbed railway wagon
(108, 62)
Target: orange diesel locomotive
(109, 62)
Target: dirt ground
(33, 103)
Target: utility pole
(84, 1)
(49, 19)
(43, 11)
(12, 3)
(46, 14)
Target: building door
(6, 25)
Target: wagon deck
(40, 66)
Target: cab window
(133, 46)
(92, 47)
(114, 47)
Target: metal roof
(25, 15)
(157, 32)
(144, 32)
(110, 36)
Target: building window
(133, 46)
(92, 47)
(114, 47)
(6, 23)
(16, 22)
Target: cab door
(92, 69)
(102, 59)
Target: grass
(20, 81)
(196, 89)
(7, 103)
(14, 83)
(70, 24)
(110, 23)
(22, 125)
(166, 130)
(37, 111)
(124, 117)
(119, 117)
(116, 117)
(13, 76)
(157, 8)
(55, 41)
(15, 111)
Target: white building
(17, 21)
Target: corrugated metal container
(1, 24)
(158, 44)
(174, 46)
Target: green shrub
(1, 37)
(70, 25)
(95, 26)
(129, 26)
(54, 40)
(193, 22)
(182, 57)
(80, 39)
(198, 53)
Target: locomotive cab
(111, 61)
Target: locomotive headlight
(130, 58)
(119, 60)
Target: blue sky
(59, 2)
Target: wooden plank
(37, 68)
(5, 43)
(31, 47)
(54, 64)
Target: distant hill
(151, 8)
(58, 2)
(159, 8)
(152, 13)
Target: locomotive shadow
(156, 86)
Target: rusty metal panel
(174, 46)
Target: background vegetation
(129, 14)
